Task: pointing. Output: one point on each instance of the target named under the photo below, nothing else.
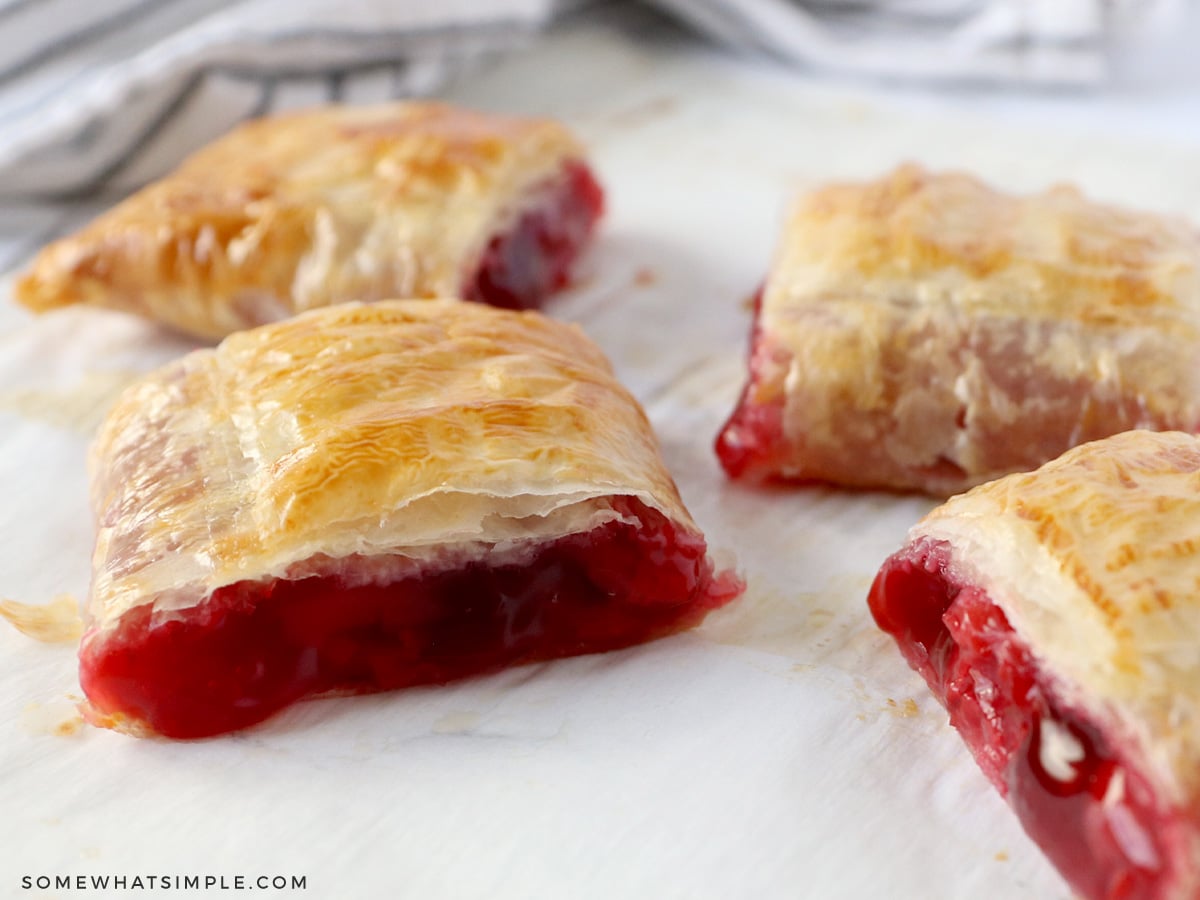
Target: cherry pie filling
(750, 444)
(522, 266)
(255, 647)
(1081, 797)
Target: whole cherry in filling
(1081, 795)
(252, 648)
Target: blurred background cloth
(103, 95)
(1041, 42)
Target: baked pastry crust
(298, 211)
(927, 332)
(1095, 561)
(431, 432)
(369, 497)
(1056, 615)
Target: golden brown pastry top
(397, 433)
(937, 333)
(915, 236)
(1095, 560)
(301, 210)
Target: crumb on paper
(906, 710)
(113, 721)
(1002, 856)
(68, 727)
(56, 622)
(59, 718)
(645, 277)
(749, 301)
(873, 706)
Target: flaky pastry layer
(926, 331)
(1095, 561)
(406, 433)
(297, 211)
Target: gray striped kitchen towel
(106, 94)
(1031, 42)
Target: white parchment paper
(782, 750)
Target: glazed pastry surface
(1095, 560)
(426, 432)
(301, 210)
(925, 331)
(1056, 616)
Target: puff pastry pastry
(925, 332)
(1057, 616)
(372, 496)
(298, 211)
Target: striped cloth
(106, 93)
(100, 96)
(1034, 42)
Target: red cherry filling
(521, 267)
(257, 646)
(750, 443)
(1081, 798)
